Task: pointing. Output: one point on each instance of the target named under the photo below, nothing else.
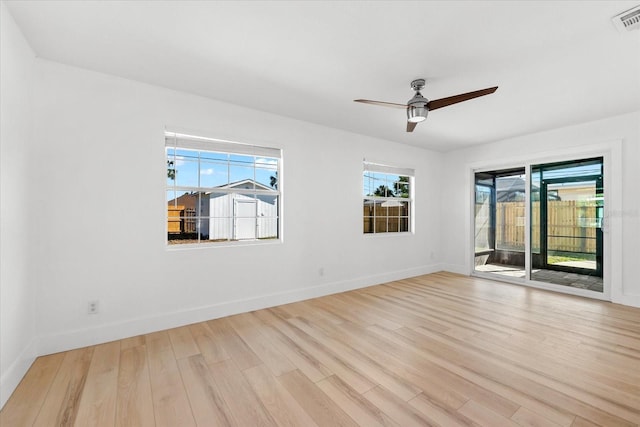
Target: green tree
(401, 187)
(383, 191)
(171, 171)
(273, 181)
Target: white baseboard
(12, 377)
(456, 268)
(132, 327)
(626, 299)
(618, 298)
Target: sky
(198, 169)
(373, 180)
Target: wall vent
(628, 20)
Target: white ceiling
(556, 63)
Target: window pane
(267, 172)
(509, 212)
(182, 228)
(573, 169)
(380, 210)
(202, 204)
(375, 184)
(220, 229)
(381, 224)
(173, 219)
(181, 211)
(267, 206)
(186, 170)
(535, 211)
(267, 228)
(393, 224)
(401, 187)
(213, 173)
(483, 227)
(244, 205)
(171, 197)
(171, 168)
(368, 224)
(220, 204)
(383, 190)
(241, 168)
(212, 156)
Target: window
(387, 199)
(219, 191)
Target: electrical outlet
(93, 307)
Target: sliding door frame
(544, 233)
(611, 152)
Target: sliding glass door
(564, 245)
(500, 222)
(566, 225)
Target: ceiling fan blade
(445, 102)
(411, 126)
(381, 103)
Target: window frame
(387, 170)
(175, 141)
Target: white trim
(611, 152)
(178, 140)
(387, 169)
(392, 234)
(541, 285)
(14, 374)
(120, 330)
(390, 170)
(222, 189)
(527, 222)
(223, 244)
(613, 237)
(195, 142)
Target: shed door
(244, 219)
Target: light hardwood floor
(440, 349)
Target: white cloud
(209, 171)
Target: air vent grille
(627, 21)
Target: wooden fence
(571, 226)
(181, 220)
(387, 219)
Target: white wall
(100, 160)
(17, 297)
(620, 133)
(92, 152)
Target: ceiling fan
(419, 106)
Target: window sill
(401, 233)
(227, 244)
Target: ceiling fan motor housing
(417, 106)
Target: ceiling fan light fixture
(416, 114)
(418, 107)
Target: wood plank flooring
(439, 349)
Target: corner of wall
(18, 342)
(456, 268)
(14, 374)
